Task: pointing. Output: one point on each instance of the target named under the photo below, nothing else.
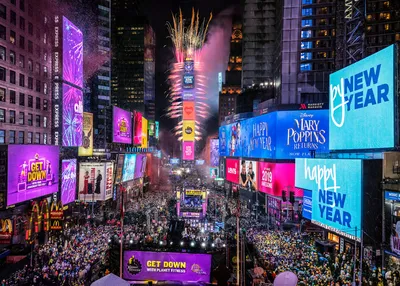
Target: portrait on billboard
(140, 166)
(72, 53)
(87, 141)
(248, 175)
(72, 116)
(214, 152)
(214, 173)
(128, 171)
(95, 181)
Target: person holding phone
(243, 176)
(251, 177)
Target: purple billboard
(68, 181)
(122, 126)
(214, 153)
(32, 172)
(144, 265)
(72, 54)
(140, 166)
(72, 116)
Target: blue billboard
(361, 103)
(307, 204)
(300, 131)
(336, 187)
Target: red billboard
(232, 170)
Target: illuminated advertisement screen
(188, 81)
(144, 133)
(214, 173)
(32, 172)
(188, 110)
(157, 132)
(307, 204)
(361, 103)
(122, 126)
(301, 131)
(188, 96)
(120, 166)
(140, 166)
(151, 127)
(188, 66)
(248, 174)
(275, 177)
(188, 151)
(222, 168)
(232, 170)
(87, 142)
(137, 139)
(72, 53)
(214, 152)
(128, 171)
(72, 116)
(188, 130)
(336, 186)
(95, 181)
(174, 161)
(68, 181)
(145, 265)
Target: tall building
(233, 75)
(149, 73)
(25, 72)
(258, 41)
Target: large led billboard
(361, 103)
(151, 127)
(95, 181)
(72, 116)
(144, 133)
(172, 266)
(188, 130)
(336, 186)
(299, 131)
(214, 152)
(232, 170)
(87, 141)
(275, 177)
(248, 177)
(128, 171)
(188, 150)
(137, 139)
(68, 181)
(122, 126)
(140, 166)
(72, 53)
(119, 166)
(188, 110)
(32, 172)
(157, 129)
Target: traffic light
(284, 196)
(291, 198)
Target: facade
(149, 73)
(25, 73)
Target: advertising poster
(95, 181)
(157, 132)
(301, 131)
(152, 127)
(146, 265)
(188, 81)
(214, 173)
(72, 116)
(188, 96)
(188, 110)
(188, 151)
(188, 130)
(188, 66)
(144, 133)
(307, 204)
(276, 177)
(174, 161)
(68, 181)
(248, 175)
(137, 139)
(120, 166)
(128, 171)
(32, 172)
(140, 166)
(87, 142)
(361, 103)
(214, 152)
(223, 148)
(232, 170)
(72, 54)
(122, 126)
(336, 186)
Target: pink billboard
(188, 150)
(137, 136)
(232, 170)
(275, 177)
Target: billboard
(122, 126)
(362, 102)
(72, 54)
(336, 187)
(157, 131)
(248, 174)
(128, 171)
(214, 173)
(232, 170)
(188, 66)
(188, 151)
(188, 96)
(223, 140)
(188, 81)
(146, 265)
(301, 131)
(87, 141)
(151, 127)
(137, 138)
(222, 168)
(95, 181)
(144, 133)
(72, 116)
(120, 165)
(174, 161)
(188, 130)
(32, 172)
(140, 166)
(188, 110)
(68, 181)
(276, 177)
(307, 204)
(214, 152)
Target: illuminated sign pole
(188, 112)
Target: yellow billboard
(144, 132)
(193, 192)
(188, 130)
(87, 141)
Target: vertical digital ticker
(188, 111)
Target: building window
(305, 2)
(29, 138)
(21, 42)
(44, 121)
(305, 56)
(12, 57)
(2, 32)
(22, 23)
(44, 138)
(21, 80)
(37, 120)
(21, 118)
(13, 17)
(30, 28)
(30, 119)
(37, 103)
(45, 73)
(13, 2)
(12, 116)
(2, 115)
(12, 76)
(22, 5)
(306, 45)
(306, 12)
(21, 99)
(45, 104)
(38, 83)
(38, 68)
(2, 74)
(30, 65)
(13, 96)
(2, 94)
(13, 37)
(20, 137)
(45, 88)
(305, 67)
(30, 101)
(3, 11)
(2, 136)
(37, 138)
(306, 23)
(306, 34)
(2, 53)
(30, 47)
(11, 140)
(30, 82)
(21, 61)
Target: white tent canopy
(110, 279)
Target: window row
(21, 118)
(31, 138)
(21, 99)
(39, 86)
